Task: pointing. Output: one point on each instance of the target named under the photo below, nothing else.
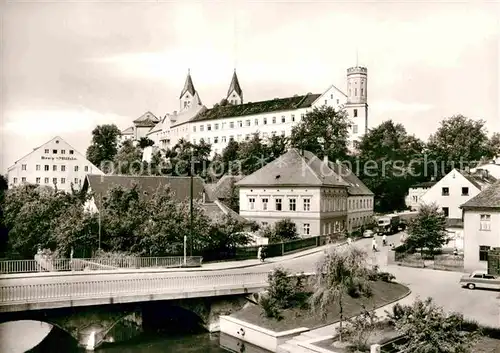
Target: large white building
(238, 119)
(55, 163)
(319, 196)
(481, 227)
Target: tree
(277, 145)
(427, 230)
(230, 157)
(459, 142)
(359, 329)
(3, 228)
(429, 329)
(104, 144)
(145, 142)
(494, 145)
(252, 154)
(128, 160)
(323, 131)
(391, 161)
(186, 154)
(283, 230)
(339, 274)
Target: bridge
(98, 303)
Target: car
(368, 233)
(480, 279)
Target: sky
(69, 66)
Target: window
(216, 139)
(223, 125)
(46, 180)
(307, 228)
(23, 167)
(209, 127)
(293, 117)
(216, 126)
(231, 124)
(446, 211)
(251, 202)
(483, 252)
(256, 121)
(231, 138)
(247, 137)
(71, 151)
(223, 138)
(54, 168)
(264, 203)
(331, 96)
(445, 191)
(278, 204)
(274, 120)
(15, 180)
(76, 168)
(338, 101)
(355, 113)
(265, 121)
(264, 224)
(465, 191)
(283, 119)
(240, 123)
(76, 180)
(86, 168)
(202, 128)
(208, 140)
(238, 137)
(63, 168)
(355, 129)
(54, 180)
(54, 151)
(46, 151)
(23, 179)
(362, 92)
(38, 180)
(194, 141)
(194, 128)
(283, 133)
(293, 204)
(307, 204)
(63, 180)
(326, 102)
(247, 122)
(356, 91)
(38, 167)
(63, 151)
(485, 222)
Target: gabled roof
(216, 210)
(147, 118)
(488, 198)
(269, 106)
(235, 85)
(294, 169)
(222, 189)
(180, 186)
(425, 184)
(479, 179)
(188, 86)
(128, 131)
(356, 186)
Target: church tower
(234, 93)
(357, 102)
(189, 97)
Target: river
(38, 337)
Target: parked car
(480, 279)
(368, 233)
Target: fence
(42, 263)
(448, 262)
(38, 290)
(272, 250)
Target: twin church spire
(189, 96)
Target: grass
(383, 293)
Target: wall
(256, 335)
(474, 237)
(454, 181)
(414, 197)
(359, 211)
(324, 209)
(66, 157)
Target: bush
(270, 307)
(375, 275)
(281, 288)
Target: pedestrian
(384, 240)
(374, 244)
(259, 253)
(349, 241)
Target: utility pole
(191, 204)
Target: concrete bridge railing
(28, 293)
(46, 264)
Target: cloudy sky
(68, 66)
